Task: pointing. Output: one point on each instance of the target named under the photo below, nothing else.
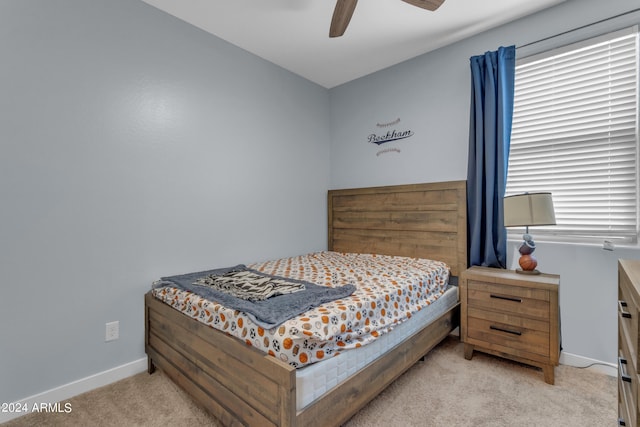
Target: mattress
(390, 291)
(315, 380)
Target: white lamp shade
(529, 209)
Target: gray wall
(430, 94)
(133, 146)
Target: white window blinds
(575, 134)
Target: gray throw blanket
(267, 313)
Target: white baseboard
(591, 364)
(75, 388)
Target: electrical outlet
(112, 331)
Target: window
(575, 134)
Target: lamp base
(529, 272)
(528, 263)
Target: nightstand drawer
(511, 299)
(510, 319)
(510, 336)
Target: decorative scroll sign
(392, 135)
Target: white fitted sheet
(315, 380)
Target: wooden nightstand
(511, 315)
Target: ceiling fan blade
(341, 17)
(425, 4)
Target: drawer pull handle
(495, 328)
(621, 422)
(621, 309)
(623, 376)
(506, 298)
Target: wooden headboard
(416, 220)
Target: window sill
(516, 239)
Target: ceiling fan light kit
(344, 11)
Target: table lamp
(528, 209)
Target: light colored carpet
(443, 390)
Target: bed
(242, 385)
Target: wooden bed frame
(241, 385)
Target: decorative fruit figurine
(528, 262)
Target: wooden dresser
(511, 315)
(628, 320)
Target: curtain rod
(580, 28)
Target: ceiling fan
(344, 10)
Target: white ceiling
(294, 34)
